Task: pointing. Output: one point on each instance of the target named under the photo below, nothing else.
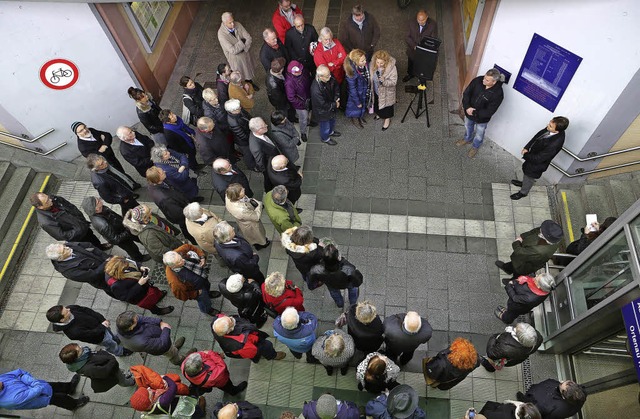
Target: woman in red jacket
(206, 370)
(331, 53)
(279, 294)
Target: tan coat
(238, 92)
(204, 233)
(236, 51)
(248, 219)
(387, 87)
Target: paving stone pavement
(421, 221)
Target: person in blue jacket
(297, 330)
(176, 169)
(400, 402)
(20, 391)
(358, 86)
(328, 407)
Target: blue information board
(546, 72)
(631, 315)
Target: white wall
(604, 33)
(34, 33)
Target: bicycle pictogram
(59, 74)
(56, 75)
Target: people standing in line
(337, 273)
(19, 390)
(282, 172)
(297, 84)
(364, 324)
(279, 293)
(384, 78)
(247, 212)
(510, 409)
(300, 41)
(297, 330)
(334, 349)
(282, 213)
(285, 136)
(302, 247)
(360, 31)
(222, 82)
(148, 112)
(239, 338)
(284, 17)
(588, 234)
(236, 43)
(192, 98)
(238, 120)
(246, 296)
(330, 53)
(80, 262)
(325, 101)
(538, 153)
(512, 347)
(93, 141)
(422, 27)
(155, 233)
(175, 166)
(180, 136)
(272, 48)
(211, 142)
(555, 399)
(206, 370)
(224, 174)
(480, 100)
(451, 365)
(237, 252)
(377, 373)
(135, 149)
(262, 148)
(403, 333)
(525, 293)
(358, 86)
(112, 185)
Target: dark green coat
(530, 255)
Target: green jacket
(279, 216)
(157, 241)
(530, 255)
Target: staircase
(17, 184)
(606, 197)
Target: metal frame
(593, 156)
(581, 172)
(26, 140)
(58, 147)
(148, 46)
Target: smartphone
(591, 218)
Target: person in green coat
(155, 233)
(533, 249)
(282, 213)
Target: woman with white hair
(247, 213)
(241, 90)
(525, 293)
(279, 294)
(334, 349)
(238, 120)
(176, 168)
(364, 324)
(297, 330)
(511, 347)
(214, 109)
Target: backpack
(186, 113)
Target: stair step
(598, 201)
(13, 195)
(6, 170)
(624, 195)
(577, 213)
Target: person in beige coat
(236, 42)
(247, 213)
(384, 78)
(200, 223)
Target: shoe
(126, 352)
(299, 210)
(356, 123)
(516, 182)
(517, 196)
(387, 127)
(304, 138)
(472, 152)
(506, 281)
(179, 342)
(202, 403)
(460, 143)
(190, 351)
(214, 294)
(82, 401)
(198, 199)
(136, 196)
(279, 356)
(213, 312)
(520, 397)
(262, 246)
(499, 311)
(75, 380)
(500, 264)
(239, 388)
(136, 185)
(330, 142)
(313, 124)
(376, 117)
(105, 246)
(363, 121)
(344, 370)
(164, 294)
(335, 134)
(407, 78)
(144, 258)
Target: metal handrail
(35, 151)
(594, 156)
(33, 140)
(581, 172)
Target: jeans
(480, 128)
(326, 129)
(336, 294)
(266, 349)
(111, 343)
(303, 118)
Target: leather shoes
(407, 78)
(472, 152)
(303, 137)
(516, 182)
(179, 342)
(165, 310)
(335, 134)
(460, 143)
(213, 312)
(279, 356)
(503, 266)
(105, 246)
(505, 281)
(517, 196)
(74, 382)
(262, 246)
(82, 401)
(499, 311)
(356, 123)
(239, 388)
(198, 199)
(330, 142)
(214, 294)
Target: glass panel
(551, 324)
(150, 16)
(613, 403)
(603, 274)
(635, 232)
(561, 297)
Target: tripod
(420, 92)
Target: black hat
(402, 401)
(551, 231)
(75, 126)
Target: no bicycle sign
(59, 74)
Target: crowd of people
(309, 76)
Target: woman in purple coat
(297, 84)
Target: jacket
(262, 151)
(182, 290)
(346, 410)
(221, 182)
(280, 22)
(238, 92)
(111, 187)
(485, 101)
(239, 257)
(179, 137)
(86, 325)
(305, 256)
(522, 299)
(291, 297)
(357, 87)
(298, 88)
(332, 58)
(495, 410)
(213, 145)
(279, 215)
(138, 156)
(248, 300)
(247, 410)
(21, 391)
(367, 337)
(366, 39)
(156, 240)
(147, 336)
(504, 345)
(180, 180)
(414, 36)
(323, 99)
(540, 153)
(392, 370)
(203, 233)
(192, 99)
(345, 276)
(128, 289)
(377, 409)
(103, 370)
(386, 85)
(301, 338)
(109, 225)
(339, 361)
(235, 47)
(92, 147)
(268, 54)
(67, 224)
(239, 125)
(170, 200)
(578, 246)
(242, 341)
(288, 177)
(214, 371)
(222, 87)
(400, 341)
(287, 139)
(150, 118)
(248, 218)
(276, 92)
(440, 369)
(217, 113)
(297, 44)
(86, 265)
(547, 398)
(529, 255)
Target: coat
(522, 298)
(414, 36)
(248, 218)
(276, 92)
(138, 156)
(268, 54)
(87, 265)
(387, 84)
(111, 187)
(332, 58)
(357, 86)
(262, 151)
(180, 137)
(21, 391)
(377, 409)
(248, 410)
(485, 101)
(323, 99)
(147, 336)
(239, 257)
(109, 225)
(298, 88)
(291, 297)
(547, 398)
(287, 139)
(290, 178)
(280, 22)
(203, 232)
(180, 180)
(68, 224)
(504, 345)
(495, 410)
(214, 371)
(91, 147)
(217, 113)
(156, 240)
(170, 201)
(368, 337)
(192, 99)
(540, 153)
(248, 300)
(237, 92)
(339, 361)
(305, 256)
(366, 39)
(344, 276)
(103, 370)
(222, 87)
(86, 325)
(239, 125)
(391, 372)
(346, 410)
(279, 215)
(221, 182)
(301, 338)
(530, 255)
(236, 49)
(149, 118)
(398, 340)
(241, 342)
(297, 44)
(439, 368)
(213, 145)
(183, 291)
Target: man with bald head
(271, 49)
(403, 333)
(423, 26)
(239, 409)
(135, 149)
(283, 172)
(224, 174)
(239, 338)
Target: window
(148, 18)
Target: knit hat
(89, 205)
(137, 213)
(551, 231)
(75, 126)
(402, 401)
(326, 407)
(234, 283)
(140, 400)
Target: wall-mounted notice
(631, 316)
(546, 72)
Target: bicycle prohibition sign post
(59, 74)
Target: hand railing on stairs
(594, 156)
(37, 151)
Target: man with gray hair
(211, 142)
(193, 270)
(135, 149)
(282, 172)
(272, 48)
(325, 100)
(239, 338)
(238, 120)
(403, 333)
(235, 41)
(282, 213)
(214, 109)
(262, 148)
(80, 262)
(207, 370)
(297, 41)
(297, 330)
(200, 223)
(224, 174)
(237, 252)
(112, 185)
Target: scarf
(157, 222)
(364, 72)
(182, 130)
(530, 281)
(81, 361)
(173, 162)
(145, 107)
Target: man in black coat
(276, 91)
(272, 49)
(297, 41)
(555, 399)
(109, 225)
(92, 141)
(538, 153)
(403, 333)
(135, 149)
(63, 220)
(112, 185)
(100, 367)
(238, 120)
(211, 141)
(262, 148)
(360, 30)
(86, 325)
(80, 262)
(325, 100)
(236, 252)
(246, 296)
(282, 172)
(422, 27)
(365, 326)
(224, 174)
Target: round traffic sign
(59, 74)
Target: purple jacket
(298, 88)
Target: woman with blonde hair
(384, 78)
(451, 365)
(358, 87)
(247, 213)
(279, 293)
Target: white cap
(234, 283)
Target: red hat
(141, 400)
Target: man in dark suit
(272, 49)
(262, 148)
(212, 141)
(135, 149)
(93, 141)
(360, 30)
(281, 172)
(112, 186)
(297, 41)
(224, 174)
(538, 153)
(236, 252)
(421, 28)
(80, 262)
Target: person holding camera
(422, 27)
